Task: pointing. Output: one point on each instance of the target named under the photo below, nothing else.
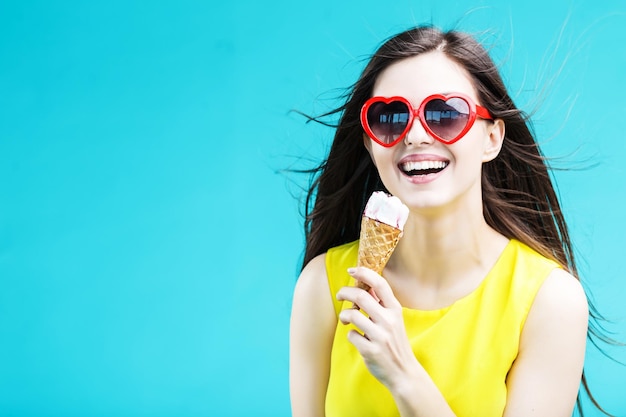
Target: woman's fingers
(379, 334)
(360, 321)
(380, 286)
(360, 297)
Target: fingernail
(351, 271)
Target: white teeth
(422, 165)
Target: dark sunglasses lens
(447, 118)
(388, 121)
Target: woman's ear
(494, 140)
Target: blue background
(149, 239)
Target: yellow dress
(467, 348)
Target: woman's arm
(313, 323)
(545, 377)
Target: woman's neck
(440, 250)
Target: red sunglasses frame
(474, 112)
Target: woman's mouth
(416, 168)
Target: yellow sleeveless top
(467, 348)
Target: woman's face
(424, 173)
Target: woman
(479, 312)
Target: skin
(445, 222)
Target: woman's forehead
(423, 75)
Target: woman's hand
(382, 341)
(385, 347)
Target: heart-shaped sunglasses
(445, 117)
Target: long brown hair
(519, 198)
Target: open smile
(421, 168)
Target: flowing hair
(519, 198)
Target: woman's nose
(417, 135)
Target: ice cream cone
(376, 244)
(381, 228)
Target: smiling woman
(479, 311)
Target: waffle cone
(377, 242)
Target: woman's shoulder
(313, 278)
(312, 293)
(533, 279)
(529, 269)
(326, 273)
(559, 306)
(561, 294)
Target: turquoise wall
(149, 242)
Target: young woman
(479, 312)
